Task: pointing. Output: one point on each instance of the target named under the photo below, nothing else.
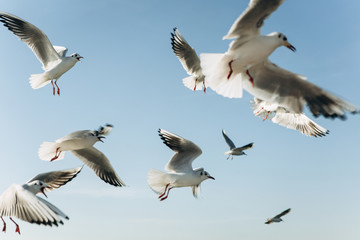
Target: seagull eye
(206, 173)
(279, 36)
(285, 39)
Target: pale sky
(129, 77)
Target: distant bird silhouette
(277, 218)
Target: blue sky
(130, 78)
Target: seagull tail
(157, 180)
(192, 83)
(39, 80)
(216, 68)
(48, 150)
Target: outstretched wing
(228, 140)
(252, 19)
(100, 164)
(36, 40)
(283, 213)
(56, 179)
(185, 152)
(247, 146)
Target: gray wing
(283, 213)
(252, 19)
(300, 122)
(292, 91)
(56, 179)
(186, 55)
(247, 146)
(185, 152)
(23, 204)
(228, 140)
(61, 50)
(100, 164)
(36, 40)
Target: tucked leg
(57, 154)
(52, 83)
(166, 187)
(251, 79)
(231, 70)
(163, 198)
(4, 228)
(17, 226)
(58, 89)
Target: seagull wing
(36, 40)
(100, 164)
(292, 91)
(247, 146)
(186, 54)
(252, 19)
(56, 179)
(228, 140)
(61, 50)
(23, 204)
(186, 152)
(300, 122)
(283, 213)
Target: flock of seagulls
(279, 95)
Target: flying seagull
(246, 65)
(80, 144)
(21, 201)
(235, 151)
(283, 117)
(180, 172)
(277, 218)
(189, 60)
(53, 58)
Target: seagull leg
(163, 198)
(56, 154)
(4, 228)
(259, 110)
(52, 83)
(267, 115)
(231, 70)
(204, 86)
(17, 226)
(58, 89)
(195, 84)
(251, 79)
(166, 187)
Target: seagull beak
(43, 191)
(78, 58)
(211, 177)
(289, 46)
(100, 138)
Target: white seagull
(248, 49)
(21, 201)
(180, 171)
(189, 60)
(277, 218)
(80, 144)
(283, 117)
(53, 58)
(246, 65)
(235, 151)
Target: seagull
(53, 58)
(21, 201)
(80, 144)
(248, 49)
(237, 151)
(180, 171)
(246, 66)
(277, 218)
(283, 117)
(189, 60)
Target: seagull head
(36, 187)
(282, 39)
(205, 175)
(77, 56)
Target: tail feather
(216, 69)
(47, 151)
(157, 180)
(193, 84)
(39, 80)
